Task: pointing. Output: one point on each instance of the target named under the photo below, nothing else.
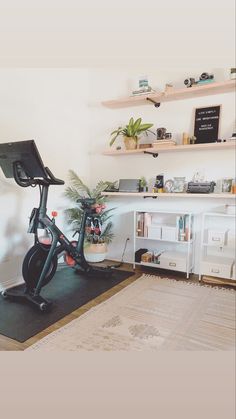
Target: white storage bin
(169, 233)
(215, 266)
(231, 238)
(175, 261)
(217, 237)
(154, 232)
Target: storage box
(217, 237)
(174, 260)
(147, 257)
(217, 266)
(169, 233)
(154, 232)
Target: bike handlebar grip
(54, 180)
(20, 181)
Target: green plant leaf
(131, 122)
(78, 185)
(137, 125)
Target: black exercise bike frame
(40, 219)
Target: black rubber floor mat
(68, 291)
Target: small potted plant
(143, 184)
(130, 133)
(98, 232)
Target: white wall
(61, 109)
(177, 117)
(50, 106)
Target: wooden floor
(7, 344)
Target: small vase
(130, 143)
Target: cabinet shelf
(165, 241)
(173, 94)
(213, 263)
(173, 148)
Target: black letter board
(206, 124)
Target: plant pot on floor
(95, 252)
(130, 143)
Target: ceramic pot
(130, 143)
(95, 252)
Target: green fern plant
(77, 189)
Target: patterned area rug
(152, 314)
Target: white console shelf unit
(229, 196)
(217, 255)
(179, 260)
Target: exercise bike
(22, 161)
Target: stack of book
(182, 227)
(161, 143)
(144, 220)
(144, 91)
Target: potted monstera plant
(130, 133)
(98, 232)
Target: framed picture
(207, 124)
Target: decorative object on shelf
(139, 253)
(169, 186)
(163, 138)
(144, 87)
(131, 132)
(159, 184)
(227, 185)
(233, 73)
(206, 124)
(161, 133)
(201, 187)
(129, 185)
(143, 185)
(99, 228)
(189, 82)
(204, 78)
(185, 138)
(179, 184)
(168, 87)
(234, 186)
(192, 140)
(198, 177)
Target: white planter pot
(95, 252)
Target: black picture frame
(207, 124)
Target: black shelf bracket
(153, 153)
(156, 104)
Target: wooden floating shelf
(171, 195)
(173, 94)
(174, 148)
